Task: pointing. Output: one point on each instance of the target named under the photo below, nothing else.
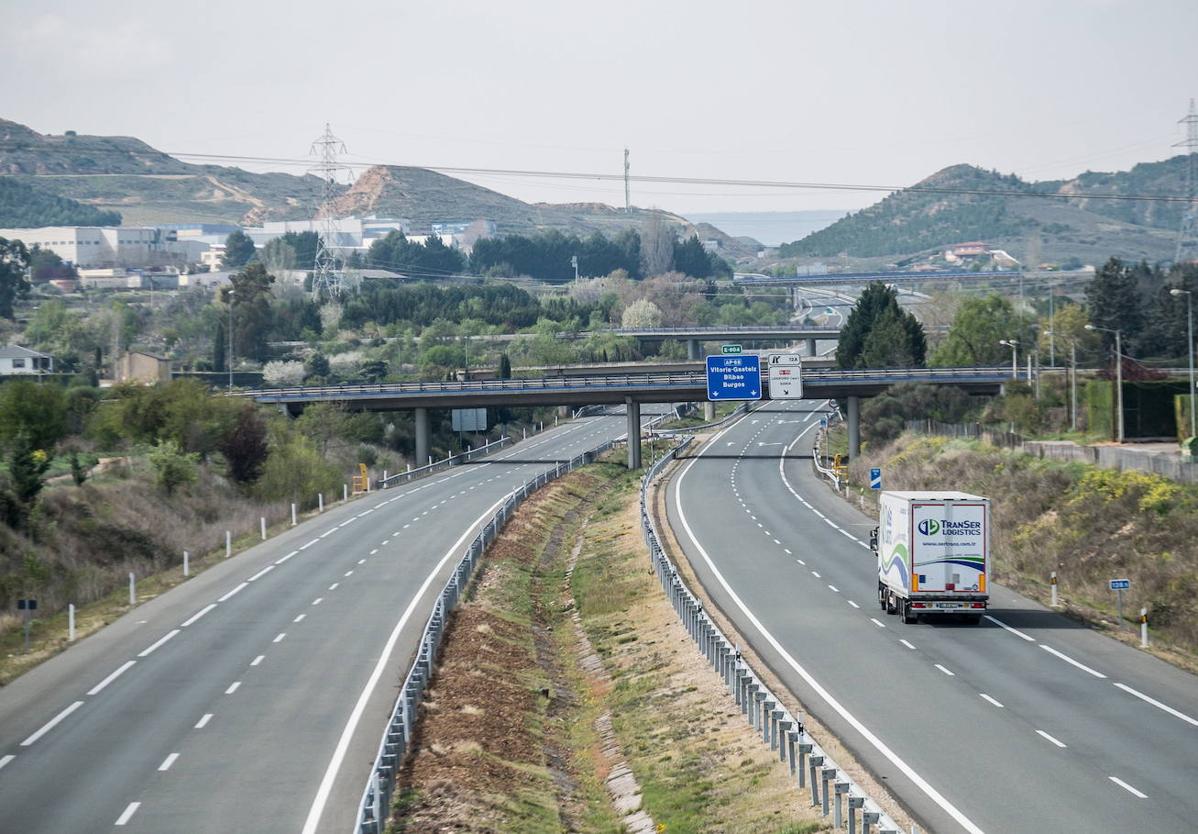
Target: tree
(14, 261)
(45, 265)
(293, 250)
(245, 446)
(220, 350)
(909, 342)
(32, 413)
(641, 313)
(505, 367)
(239, 250)
(27, 467)
(252, 313)
(690, 258)
(888, 344)
(973, 338)
(1113, 301)
(657, 246)
(173, 467)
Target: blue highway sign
(1120, 584)
(875, 478)
(733, 377)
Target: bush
(295, 469)
(283, 373)
(172, 466)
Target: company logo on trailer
(929, 527)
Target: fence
(376, 798)
(782, 731)
(1165, 464)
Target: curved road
(1026, 723)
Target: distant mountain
(917, 220)
(22, 207)
(149, 187)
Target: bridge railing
(436, 466)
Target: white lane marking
(258, 660)
(376, 550)
(333, 587)
(306, 545)
(120, 670)
(203, 722)
(5, 760)
(855, 605)
(815, 573)
(787, 550)
(1014, 631)
(834, 589)
(801, 562)
(986, 697)
(231, 593)
(233, 687)
(299, 618)
(261, 573)
(906, 643)
(51, 724)
(386, 542)
(279, 637)
(330, 775)
(361, 561)
(777, 542)
(285, 558)
(1128, 787)
(318, 601)
(823, 693)
(877, 622)
(128, 813)
(198, 614)
(168, 761)
(944, 670)
(1157, 704)
(158, 643)
(1071, 661)
(327, 533)
(349, 573)
(1055, 741)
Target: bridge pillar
(633, 408)
(692, 350)
(811, 348)
(708, 411)
(853, 418)
(422, 437)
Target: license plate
(948, 605)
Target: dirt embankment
(569, 697)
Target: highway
(1025, 723)
(252, 697)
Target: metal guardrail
(782, 731)
(373, 809)
(715, 424)
(438, 465)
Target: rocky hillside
(923, 218)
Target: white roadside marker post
(293, 516)
(186, 563)
(1053, 581)
(132, 590)
(320, 501)
(228, 543)
(262, 526)
(71, 623)
(1143, 628)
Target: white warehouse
(127, 246)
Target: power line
(1187, 235)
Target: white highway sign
(786, 378)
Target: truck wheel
(882, 595)
(891, 608)
(908, 617)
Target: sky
(882, 92)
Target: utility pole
(230, 338)
(574, 263)
(1190, 353)
(1187, 233)
(1073, 386)
(627, 191)
(1052, 326)
(327, 277)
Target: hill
(23, 206)
(147, 186)
(915, 220)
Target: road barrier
(376, 798)
(451, 460)
(785, 733)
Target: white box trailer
(933, 554)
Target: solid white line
(906, 643)
(232, 592)
(279, 637)
(1071, 661)
(51, 724)
(986, 697)
(148, 651)
(257, 660)
(865, 732)
(198, 614)
(203, 722)
(1055, 741)
(1157, 704)
(233, 687)
(119, 671)
(945, 671)
(5, 760)
(326, 783)
(1014, 631)
(1127, 787)
(168, 761)
(129, 811)
(855, 605)
(261, 573)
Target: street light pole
(1190, 352)
(1118, 371)
(1013, 344)
(230, 338)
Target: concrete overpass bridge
(629, 390)
(895, 276)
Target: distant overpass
(895, 276)
(630, 390)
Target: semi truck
(933, 552)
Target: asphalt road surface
(1025, 723)
(252, 697)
